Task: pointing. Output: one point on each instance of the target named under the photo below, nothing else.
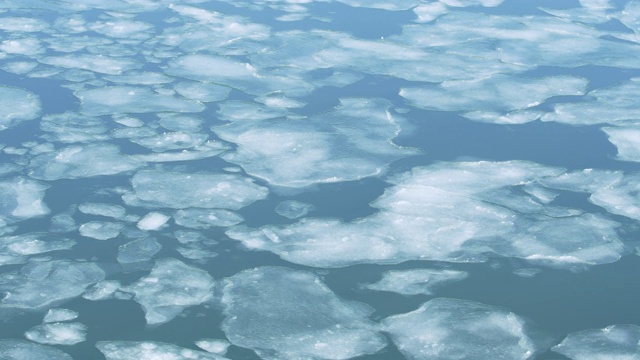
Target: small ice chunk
(459, 329)
(153, 221)
(17, 105)
(619, 342)
(206, 218)
(292, 209)
(213, 346)
(138, 250)
(108, 210)
(63, 222)
(26, 350)
(527, 272)
(101, 230)
(127, 350)
(287, 314)
(417, 281)
(102, 290)
(128, 121)
(59, 315)
(58, 333)
(171, 287)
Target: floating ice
(616, 342)
(349, 143)
(21, 199)
(177, 190)
(73, 127)
(18, 67)
(287, 314)
(247, 111)
(180, 122)
(58, 315)
(459, 329)
(430, 11)
(16, 249)
(172, 141)
(171, 287)
(102, 290)
(122, 28)
(58, 333)
(205, 92)
(128, 99)
(97, 63)
(292, 209)
(107, 210)
(42, 284)
(21, 24)
(80, 161)
(627, 140)
(153, 221)
(213, 346)
(17, 105)
(24, 350)
(25, 46)
(127, 350)
(101, 230)
(204, 219)
(450, 212)
(138, 250)
(418, 281)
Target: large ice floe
(17, 249)
(17, 105)
(416, 281)
(351, 142)
(22, 350)
(616, 342)
(21, 199)
(453, 212)
(150, 350)
(459, 329)
(286, 314)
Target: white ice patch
(108, 210)
(58, 333)
(41, 284)
(430, 11)
(155, 188)
(21, 24)
(417, 281)
(72, 127)
(58, 315)
(292, 209)
(172, 141)
(138, 250)
(213, 346)
(128, 350)
(97, 63)
(24, 46)
(122, 29)
(459, 329)
(349, 143)
(102, 290)
(627, 140)
(153, 221)
(80, 161)
(171, 287)
(204, 92)
(616, 342)
(17, 105)
(17, 249)
(236, 110)
(450, 212)
(287, 314)
(128, 99)
(101, 230)
(205, 218)
(180, 122)
(19, 67)
(21, 199)
(24, 350)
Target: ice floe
(205, 92)
(108, 210)
(149, 350)
(21, 199)
(459, 329)
(171, 141)
(138, 250)
(41, 284)
(22, 350)
(612, 342)
(205, 218)
(293, 209)
(213, 346)
(287, 314)
(153, 221)
(17, 105)
(17, 249)
(417, 281)
(22, 24)
(179, 190)
(72, 127)
(59, 314)
(98, 63)
(101, 230)
(102, 290)
(58, 333)
(171, 287)
(627, 140)
(351, 142)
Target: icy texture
(288, 314)
(98, 63)
(57, 315)
(138, 250)
(418, 281)
(171, 141)
(80, 161)
(349, 143)
(42, 284)
(292, 209)
(213, 346)
(27, 350)
(153, 221)
(58, 333)
(177, 190)
(204, 219)
(17, 249)
(17, 105)
(627, 140)
(459, 329)
(127, 350)
(202, 91)
(616, 342)
(107, 210)
(171, 287)
(21, 199)
(451, 212)
(101, 230)
(72, 127)
(102, 290)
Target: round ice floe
(148, 350)
(58, 333)
(138, 250)
(616, 342)
(171, 287)
(204, 219)
(40, 284)
(17, 105)
(417, 281)
(26, 350)
(459, 329)
(21, 199)
(292, 209)
(287, 314)
(177, 190)
(101, 230)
